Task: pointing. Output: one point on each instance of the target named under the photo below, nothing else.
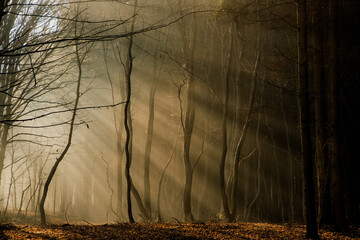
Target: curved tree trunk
(58, 160)
(129, 65)
(188, 122)
(127, 118)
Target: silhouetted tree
(79, 60)
(305, 122)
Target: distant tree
(188, 111)
(224, 197)
(150, 133)
(118, 125)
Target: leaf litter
(202, 230)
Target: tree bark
(305, 131)
(128, 71)
(127, 118)
(322, 158)
(336, 181)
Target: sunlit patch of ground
(169, 231)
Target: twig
(88, 222)
(177, 221)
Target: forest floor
(168, 231)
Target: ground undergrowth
(203, 230)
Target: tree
(224, 197)
(320, 89)
(79, 61)
(149, 137)
(305, 130)
(118, 127)
(127, 120)
(188, 116)
(337, 187)
(24, 86)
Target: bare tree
(127, 120)
(79, 61)
(150, 131)
(187, 113)
(24, 85)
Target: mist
(213, 117)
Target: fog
(193, 127)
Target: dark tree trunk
(3, 5)
(128, 70)
(322, 157)
(305, 131)
(127, 118)
(5, 110)
(336, 181)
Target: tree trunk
(127, 116)
(305, 131)
(5, 110)
(244, 131)
(119, 170)
(118, 127)
(336, 181)
(150, 130)
(291, 164)
(258, 164)
(188, 129)
(188, 122)
(322, 158)
(224, 197)
(58, 160)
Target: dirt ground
(202, 230)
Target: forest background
(194, 110)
